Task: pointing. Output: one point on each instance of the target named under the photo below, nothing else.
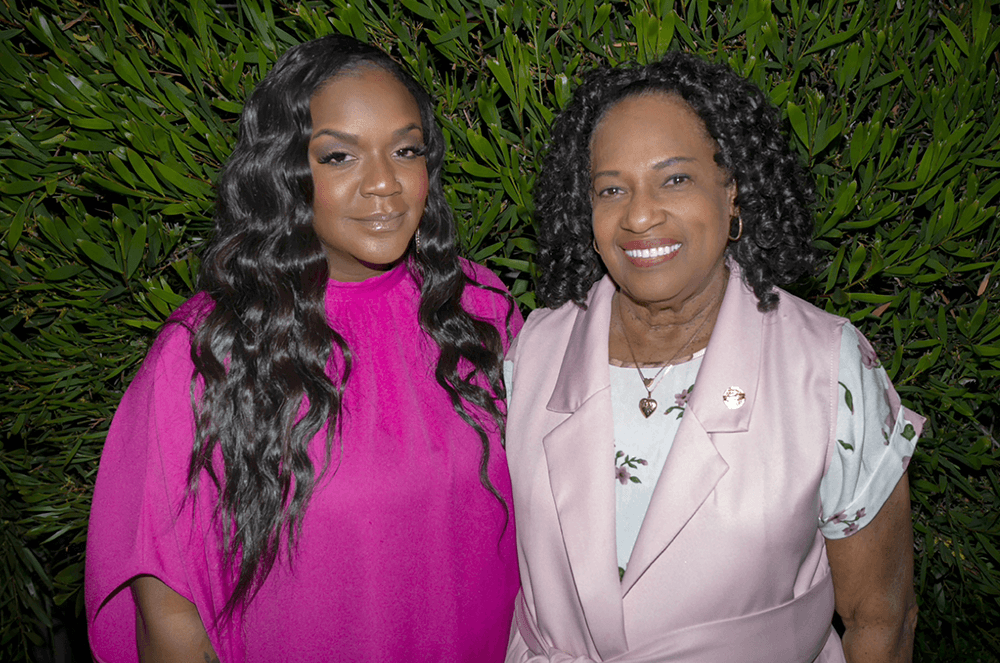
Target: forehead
(363, 90)
(650, 123)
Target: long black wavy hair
(773, 194)
(266, 344)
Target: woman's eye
(676, 179)
(608, 192)
(335, 157)
(412, 151)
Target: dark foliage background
(115, 116)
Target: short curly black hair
(773, 194)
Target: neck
(664, 333)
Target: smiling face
(368, 169)
(661, 205)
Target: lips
(382, 221)
(645, 250)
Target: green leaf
(857, 260)
(832, 40)
(64, 272)
(481, 147)
(135, 250)
(143, 171)
(128, 73)
(956, 34)
(798, 120)
(20, 187)
(17, 226)
(477, 170)
(97, 253)
(187, 185)
(502, 74)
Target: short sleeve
(875, 440)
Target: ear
(733, 192)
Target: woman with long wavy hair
(308, 464)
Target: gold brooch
(734, 398)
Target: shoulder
(194, 310)
(798, 309)
(545, 321)
(169, 358)
(488, 298)
(481, 275)
(565, 316)
(547, 330)
(797, 324)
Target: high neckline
(376, 284)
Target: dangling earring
(416, 241)
(740, 233)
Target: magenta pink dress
(404, 555)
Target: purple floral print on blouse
(852, 523)
(868, 356)
(623, 464)
(681, 401)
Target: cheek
(321, 200)
(422, 186)
(328, 198)
(603, 231)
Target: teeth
(653, 253)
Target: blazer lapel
(695, 465)
(579, 453)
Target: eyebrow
(666, 163)
(353, 140)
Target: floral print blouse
(873, 449)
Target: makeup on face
(369, 171)
(661, 205)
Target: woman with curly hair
(704, 466)
(308, 464)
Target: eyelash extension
(420, 151)
(329, 157)
(417, 151)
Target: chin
(381, 264)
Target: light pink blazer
(729, 564)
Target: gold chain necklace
(648, 405)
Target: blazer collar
(584, 370)
(732, 359)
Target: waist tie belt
(793, 632)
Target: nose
(379, 178)
(641, 213)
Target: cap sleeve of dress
(140, 521)
(875, 439)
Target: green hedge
(115, 117)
